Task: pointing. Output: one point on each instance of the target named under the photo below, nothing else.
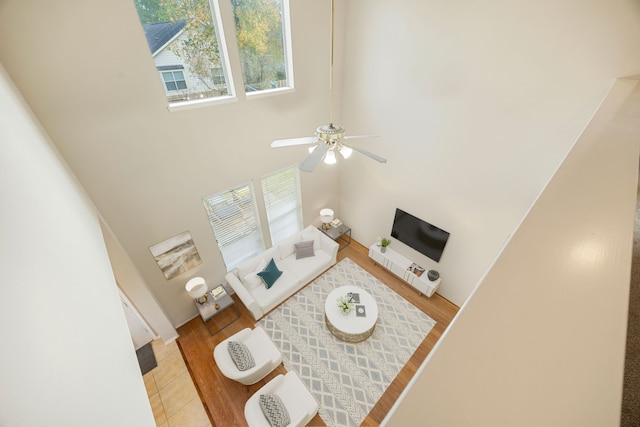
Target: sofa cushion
(286, 247)
(252, 263)
(305, 269)
(312, 234)
(252, 280)
(270, 274)
(240, 355)
(287, 284)
(274, 410)
(304, 249)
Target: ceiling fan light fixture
(328, 138)
(330, 158)
(330, 133)
(345, 152)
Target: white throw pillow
(252, 280)
(287, 245)
(272, 252)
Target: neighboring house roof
(158, 35)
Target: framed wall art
(176, 255)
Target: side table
(217, 301)
(336, 232)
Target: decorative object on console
(401, 266)
(383, 242)
(433, 275)
(218, 292)
(417, 270)
(197, 288)
(326, 216)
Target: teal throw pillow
(270, 274)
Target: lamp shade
(326, 215)
(196, 287)
(346, 152)
(330, 157)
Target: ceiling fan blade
(360, 136)
(294, 141)
(367, 153)
(312, 160)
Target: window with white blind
(282, 200)
(234, 219)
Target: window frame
(288, 58)
(226, 68)
(223, 62)
(174, 81)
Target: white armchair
(265, 354)
(298, 401)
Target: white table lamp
(197, 289)
(326, 216)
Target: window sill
(197, 103)
(269, 92)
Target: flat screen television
(425, 238)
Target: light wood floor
(224, 399)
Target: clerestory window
(262, 32)
(188, 34)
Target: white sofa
(296, 273)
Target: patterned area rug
(346, 379)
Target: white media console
(402, 267)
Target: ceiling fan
(328, 138)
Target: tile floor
(174, 399)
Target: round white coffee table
(359, 323)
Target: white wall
(145, 168)
(476, 104)
(135, 288)
(542, 340)
(67, 358)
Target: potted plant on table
(383, 242)
(345, 303)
